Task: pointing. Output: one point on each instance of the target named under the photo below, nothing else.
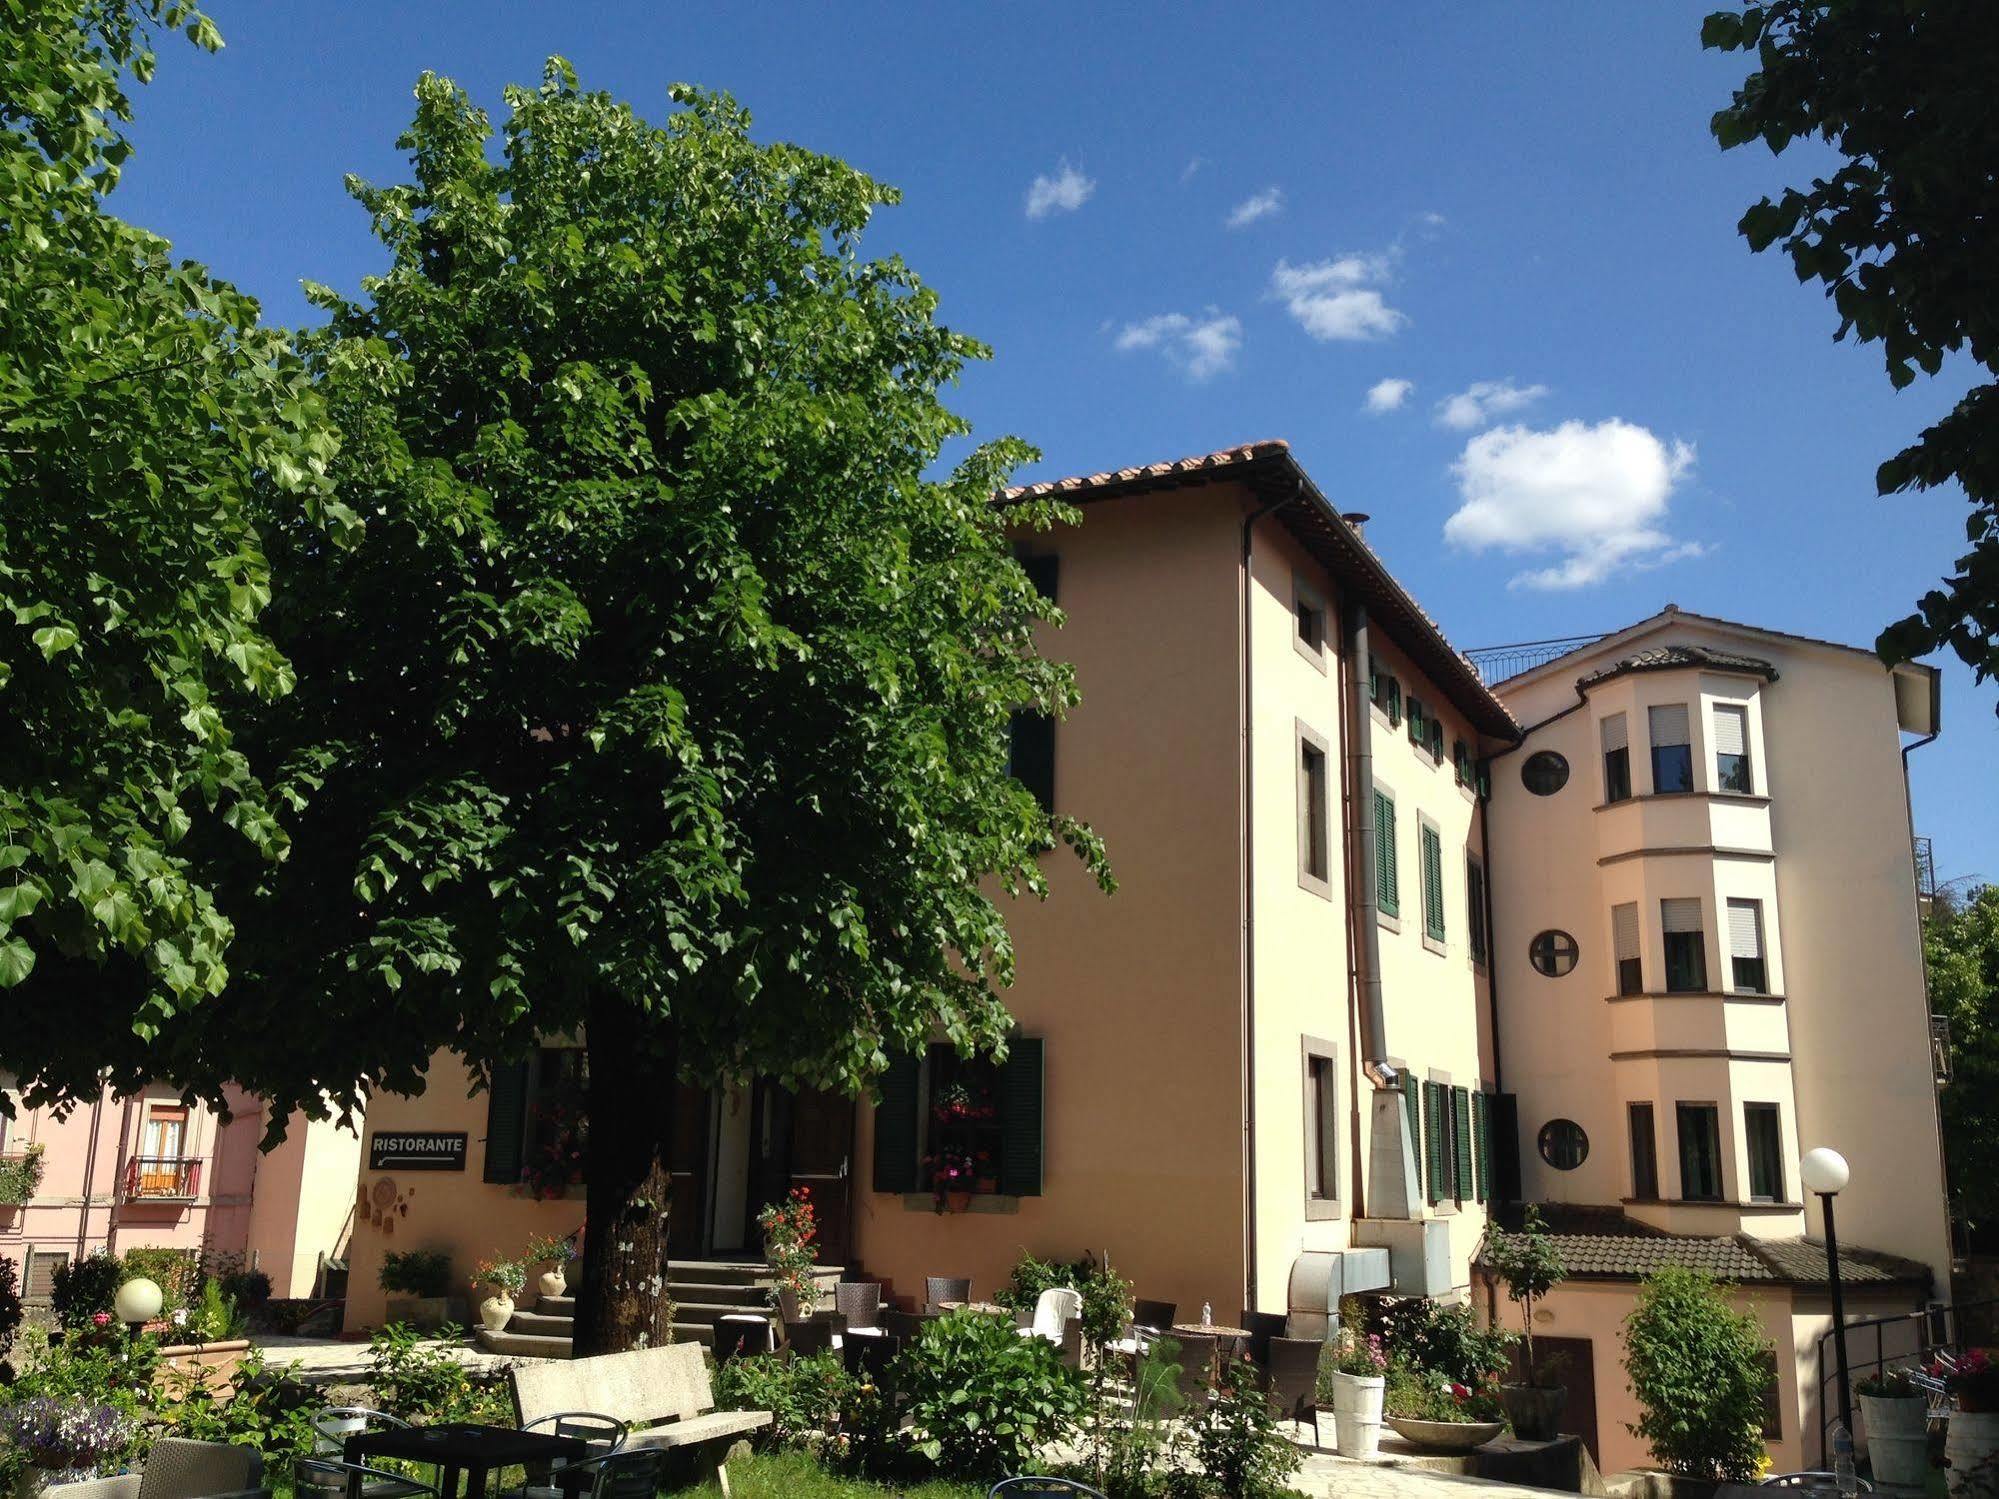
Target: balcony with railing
(162, 1178)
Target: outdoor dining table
(980, 1308)
(462, 1448)
(1227, 1339)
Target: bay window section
(1672, 749)
(1616, 759)
(1731, 749)
(1686, 952)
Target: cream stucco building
(1359, 981)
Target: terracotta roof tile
(1666, 657)
(1198, 463)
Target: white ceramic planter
(1357, 1414)
(495, 1312)
(1972, 1450)
(1897, 1439)
(553, 1283)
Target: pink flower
(101, 1319)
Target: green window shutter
(1461, 761)
(1414, 1110)
(1373, 680)
(1505, 1129)
(1433, 884)
(1461, 1107)
(1437, 740)
(1030, 754)
(1481, 1137)
(1484, 777)
(1415, 719)
(895, 1128)
(506, 1122)
(1020, 1118)
(1433, 1140)
(1385, 893)
(1394, 702)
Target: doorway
(740, 1149)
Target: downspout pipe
(1375, 1065)
(1249, 523)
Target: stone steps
(703, 1292)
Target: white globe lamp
(139, 1301)
(1824, 1170)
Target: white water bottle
(1207, 1314)
(1842, 1461)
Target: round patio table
(979, 1308)
(1227, 1339)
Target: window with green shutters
(1433, 1140)
(1386, 889)
(1433, 883)
(1436, 744)
(506, 1123)
(1481, 1140)
(1414, 1110)
(1004, 1133)
(1461, 1116)
(1461, 761)
(1418, 734)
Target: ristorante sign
(417, 1150)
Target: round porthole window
(1552, 953)
(1563, 1144)
(1545, 773)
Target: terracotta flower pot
(958, 1202)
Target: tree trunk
(622, 1302)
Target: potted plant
(1895, 1417)
(65, 1440)
(1434, 1411)
(953, 1174)
(417, 1282)
(1359, 1380)
(1971, 1449)
(558, 1252)
(1527, 1264)
(508, 1278)
(791, 1232)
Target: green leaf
(17, 961)
(53, 640)
(17, 901)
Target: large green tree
(1903, 234)
(140, 405)
(666, 697)
(1961, 951)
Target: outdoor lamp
(1824, 1171)
(139, 1301)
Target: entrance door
(770, 1154)
(822, 1148)
(1574, 1368)
(687, 1223)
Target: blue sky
(1520, 207)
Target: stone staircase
(703, 1291)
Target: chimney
(1358, 519)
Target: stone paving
(1325, 1475)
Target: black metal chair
(637, 1474)
(803, 1339)
(605, 1434)
(330, 1429)
(738, 1337)
(1291, 1378)
(1028, 1488)
(1154, 1316)
(330, 1476)
(859, 1301)
(940, 1288)
(1262, 1327)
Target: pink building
(147, 1169)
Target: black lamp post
(1825, 1172)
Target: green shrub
(249, 1289)
(1106, 1294)
(254, 1408)
(985, 1399)
(1237, 1449)
(1701, 1371)
(21, 1177)
(804, 1396)
(84, 1288)
(415, 1379)
(415, 1272)
(1444, 1340)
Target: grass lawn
(793, 1475)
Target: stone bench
(662, 1394)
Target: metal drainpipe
(1375, 1065)
(1249, 902)
(1349, 832)
(1491, 934)
(1923, 962)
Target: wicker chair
(804, 1339)
(940, 1288)
(736, 1336)
(1262, 1327)
(1291, 1373)
(1197, 1364)
(178, 1468)
(859, 1301)
(904, 1327)
(1153, 1316)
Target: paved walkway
(1324, 1474)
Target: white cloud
(1388, 395)
(1198, 347)
(1431, 219)
(1338, 299)
(1256, 206)
(1194, 164)
(1484, 401)
(1065, 192)
(1597, 495)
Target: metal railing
(162, 1178)
(1495, 663)
(1926, 868)
(1904, 1341)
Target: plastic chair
(1054, 1309)
(1291, 1375)
(939, 1288)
